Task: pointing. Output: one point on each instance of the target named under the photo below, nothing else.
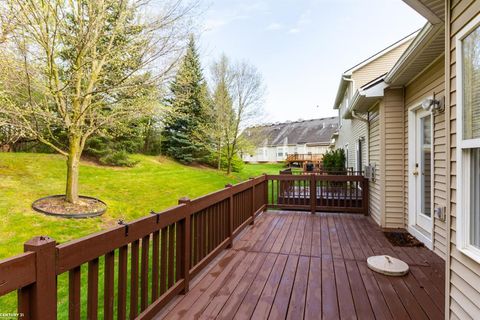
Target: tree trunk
(219, 158)
(73, 162)
(229, 164)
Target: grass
(155, 183)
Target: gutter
(341, 89)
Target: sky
(301, 47)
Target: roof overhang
(366, 97)
(342, 87)
(427, 46)
(346, 76)
(432, 10)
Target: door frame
(412, 189)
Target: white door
(422, 171)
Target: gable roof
(344, 79)
(432, 10)
(314, 131)
(424, 50)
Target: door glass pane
(471, 85)
(426, 164)
(475, 197)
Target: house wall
(374, 157)
(431, 81)
(392, 154)
(378, 66)
(463, 274)
(269, 153)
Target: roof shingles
(314, 131)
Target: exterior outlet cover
(387, 265)
(440, 213)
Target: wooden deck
(302, 266)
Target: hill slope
(154, 184)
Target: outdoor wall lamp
(434, 105)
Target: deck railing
(320, 171)
(304, 157)
(135, 268)
(319, 192)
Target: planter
(56, 206)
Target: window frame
(463, 225)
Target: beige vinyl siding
(464, 273)
(359, 130)
(350, 132)
(393, 145)
(374, 157)
(379, 66)
(431, 81)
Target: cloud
(303, 21)
(239, 10)
(274, 26)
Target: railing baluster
(74, 293)
(155, 263)
(183, 247)
(92, 295)
(134, 279)
(108, 295)
(230, 217)
(163, 261)
(171, 255)
(122, 282)
(144, 273)
(178, 250)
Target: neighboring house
(423, 122)
(274, 142)
(353, 129)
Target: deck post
(265, 191)
(185, 263)
(253, 200)
(230, 217)
(39, 300)
(313, 194)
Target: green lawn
(155, 183)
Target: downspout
(367, 138)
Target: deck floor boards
(294, 265)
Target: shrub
(117, 158)
(334, 161)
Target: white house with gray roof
(274, 142)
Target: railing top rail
(17, 272)
(318, 177)
(76, 252)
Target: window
(468, 139)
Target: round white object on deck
(387, 265)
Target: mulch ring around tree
(402, 239)
(56, 205)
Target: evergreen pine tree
(187, 111)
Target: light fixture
(434, 105)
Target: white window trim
(463, 217)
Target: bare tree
(97, 63)
(248, 93)
(222, 105)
